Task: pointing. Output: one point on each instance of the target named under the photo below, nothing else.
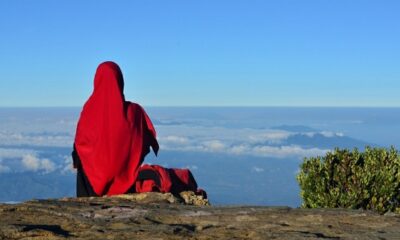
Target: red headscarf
(113, 135)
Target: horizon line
(220, 106)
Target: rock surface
(163, 216)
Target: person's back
(112, 138)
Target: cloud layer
(27, 160)
(20, 133)
(33, 163)
(242, 141)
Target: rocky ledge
(163, 216)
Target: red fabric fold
(113, 135)
(174, 180)
(150, 185)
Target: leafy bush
(352, 179)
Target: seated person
(112, 138)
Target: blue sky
(203, 53)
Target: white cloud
(259, 150)
(174, 139)
(15, 159)
(68, 167)
(308, 134)
(36, 139)
(239, 149)
(38, 129)
(14, 152)
(33, 163)
(192, 167)
(288, 151)
(241, 141)
(271, 136)
(258, 169)
(55, 131)
(47, 165)
(214, 146)
(188, 134)
(327, 134)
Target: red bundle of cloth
(155, 178)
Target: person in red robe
(112, 138)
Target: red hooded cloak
(113, 135)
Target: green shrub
(352, 179)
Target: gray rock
(164, 216)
